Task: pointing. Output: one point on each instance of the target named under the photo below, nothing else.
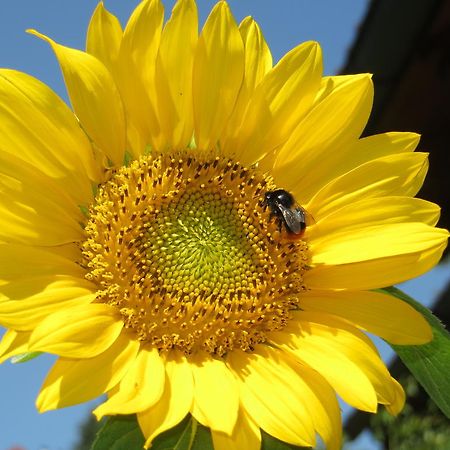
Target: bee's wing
(295, 218)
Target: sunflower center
(183, 248)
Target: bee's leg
(280, 224)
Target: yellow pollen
(182, 247)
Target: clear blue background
(285, 24)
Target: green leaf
(123, 433)
(24, 357)
(429, 363)
(187, 435)
(119, 433)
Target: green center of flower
(182, 246)
(197, 246)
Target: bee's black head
(279, 196)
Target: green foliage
(119, 433)
(429, 363)
(420, 426)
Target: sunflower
(151, 236)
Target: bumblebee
(287, 212)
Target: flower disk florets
(183, 248)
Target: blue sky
(285, 23)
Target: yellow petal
(29, 217)
(246, 435)
(13, 343)
(393, 175)
(345, 156)
(380, 314)
(336, 120)
(279, 102)
(37, 127)
(40, 297)
(136, 75)
(257, 62)
(211, 379)
(104, 36)
(218, 73)
(175, 402)
(258, 59)
(142, 37)
(366, 213)
(197, 413)
(341, 354)
(376, 273)
(397, 405)
(274, 395)
(19, 262)
(384, 144)
(311, 390)
(375, 242)
(174, 74)
(328, 84)
(325, 409)
(268, 161)
(14, 167)
(74, 381)
(95, 99)
(140, 388)
(82, 331)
